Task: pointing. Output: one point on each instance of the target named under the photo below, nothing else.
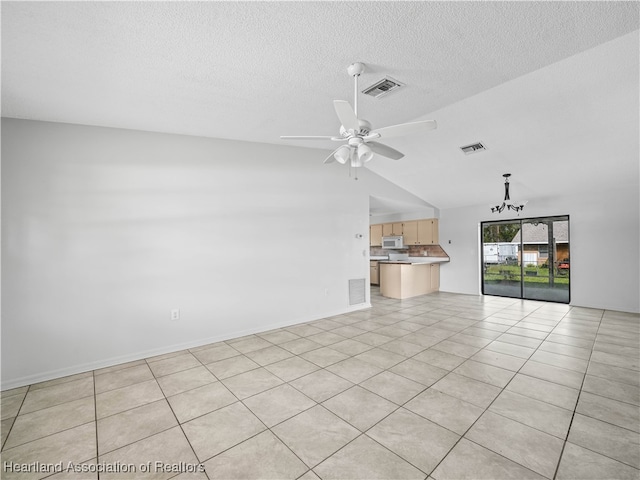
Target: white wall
(605, 246)
(104, 231)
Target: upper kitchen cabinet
(420, 232)
(410, 233)
(391, 229)
(428, 231)
(375, 235)
(415, 232)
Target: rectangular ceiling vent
(384, 86)
(473, 148)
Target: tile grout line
(15, 418)
(174, 414)
(338, 393)
(483, 413)
(316, 403)
(309, 469)
(422, 391)
(575, 408)
(95, 416)
(411, 411)
(603, 421)
(502, 390)
(635, 405)
(402, 406)
(267, 428)
(239, 401)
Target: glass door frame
(521, 221)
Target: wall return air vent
(473, 148)
(357, 291)
(384, 86)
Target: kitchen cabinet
(415, 232)
(428, 231)
(420, 232)
(375, 235)
(435, 277)
(398, 280)
(391, 229)
(410, 233)
(374, 272)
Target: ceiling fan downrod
(355, 69)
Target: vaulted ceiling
(551, 88)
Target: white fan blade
(405, 129)
(330, 158)
(385, 151)
(346, 115)
(307, 137)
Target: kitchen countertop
(417, 260)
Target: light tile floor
(440, 386)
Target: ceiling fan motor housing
(365, 128)
(355, 69)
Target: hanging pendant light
(507, 202)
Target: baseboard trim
(109, 362)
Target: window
(543, 251)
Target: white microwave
(392, 242)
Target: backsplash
(412, 250)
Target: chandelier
(507, 202)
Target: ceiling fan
(358, 134)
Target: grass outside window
(498, 273)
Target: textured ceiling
(253, 71)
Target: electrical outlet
(175, 314)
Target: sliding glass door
(545, 253)
(527, 258)
(502, 274)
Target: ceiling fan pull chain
(354, 170)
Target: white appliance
(395, 242)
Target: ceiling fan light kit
(342, 154)
(364, 153)
(507, 202)
(359, 134)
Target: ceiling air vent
(473, 148)
(384, 86)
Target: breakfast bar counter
(410, 278)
